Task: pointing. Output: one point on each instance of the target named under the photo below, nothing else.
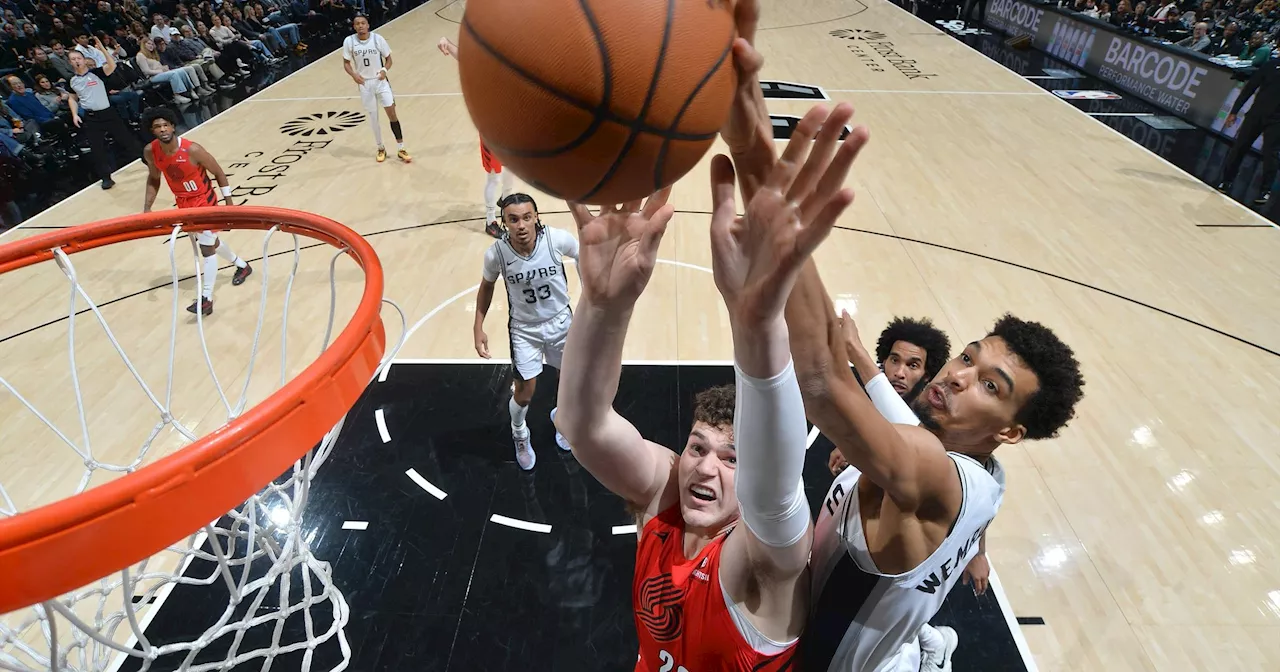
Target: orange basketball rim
(62, 546)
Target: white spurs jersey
(537, 289)
(860, 617)
(367, 56)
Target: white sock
(209, 275)
(227, 253)
(931, 642)
(377, 129)
(517, 415)
(399, 145)
(508, 182)
(491, 197)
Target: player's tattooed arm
(153, 180)
(617, 251)
(206, 161)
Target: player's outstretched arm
(906, 461)
(617, 251)
(484, 298)
(755, 260)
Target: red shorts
(203, 200)
(488, 160)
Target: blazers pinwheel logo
(323, 123)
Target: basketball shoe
(936, 648)
(382, 154)
(560, 440)
(525, 457)
(403, 155)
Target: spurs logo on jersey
(537, 289)
(367, 56)
(861, 617)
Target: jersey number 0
(366, 62)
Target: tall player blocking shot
(366, 56)
(186, 167)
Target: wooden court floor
(1146, 536)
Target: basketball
(598, 103)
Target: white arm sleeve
(770, 434)
(492, 264)
(886, 399)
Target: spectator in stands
(10, 60)
(183, 18)
(108, 19)
(231, 54)
(188, 58)
(26, 39)
(225, 62)
(35, 116)
(1090, 9)
(1123, 14)
(41, 65)
(161, 28)
(91, 51)
(1140, 22)
(224, 33)
(285, 34)
(1162, 13)
(180, 80)
(1263, 119)
(53, 98)
(57, 54)
(1199, 40)
(1257, 50)
(92, 113)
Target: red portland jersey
(189, 182)
(682, 619)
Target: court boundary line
(1050, 94)
(210, 120)
(939, 93)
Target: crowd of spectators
(57, 56)
(1241, 29)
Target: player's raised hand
(756, 258)
(618, 248)
(749, 131)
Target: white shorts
(530, 343)
(376, 93)
(207, 238)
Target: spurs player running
(366, 56)
(186, 167)
(492, 166)
(530, 259)
(898, 528)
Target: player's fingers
(787, 167)
(820, 156)
(746, 16)
(653, 232)
(724, 207)
(747, 60)
(632, 206)
(813, 233)
(836, 172)
(656, 201)
(581, 214)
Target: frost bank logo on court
(858, 34)
(879, 54)
(323, 123)
(1159, 76)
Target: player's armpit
(614, 452)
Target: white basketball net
(256, 555)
